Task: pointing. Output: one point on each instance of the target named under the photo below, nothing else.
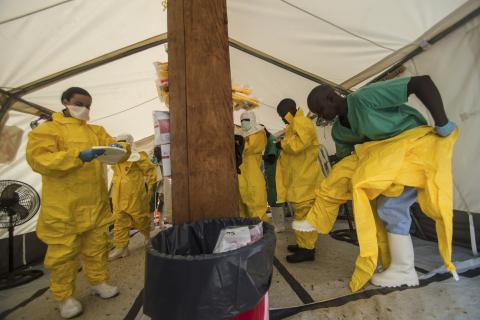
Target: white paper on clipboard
(112, 155)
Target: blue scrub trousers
(395, 212)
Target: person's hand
(445, 130)
(116, 145)
(90, 154)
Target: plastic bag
(232, 238)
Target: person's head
(286, 109)
(248, 120)
(77, 101)
(125, 137)
(77, 97)
(324, 102)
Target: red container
(260, 312)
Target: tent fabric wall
(454, 65)
(334, 39)
(58, 38)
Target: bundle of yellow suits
(241, 96)
(242, 100)
(418, 158)
(162, 81)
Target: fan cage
(28, 198)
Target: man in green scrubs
(270, 157)
(379, 111)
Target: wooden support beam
(204, 179)
(9, 101)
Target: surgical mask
(323, 122)
(81, 113)
(246, 125)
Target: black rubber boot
(302, 255)
(292, 248)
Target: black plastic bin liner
(184, 280)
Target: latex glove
(90, 154)
(445, 130)
(116, 145)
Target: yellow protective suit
(298, 171)
(130, 199)
(75, 207)
(417, 158)
(253, 191)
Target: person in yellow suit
(298, 174)
(253, 192)
(132, 183)
(75, 207)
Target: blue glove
(116, 145)
(445, 130)
(90, 154)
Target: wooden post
(204, 179)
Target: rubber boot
(104, 290)
(302, 255)
(292, 247)
(402, 269)
(278, 217)
(118, 253)
(70, 308)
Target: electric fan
(19, 202)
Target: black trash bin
(185, 281)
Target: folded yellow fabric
(417, 158)
(242, 99)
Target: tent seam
(34, 12)
(337, 26)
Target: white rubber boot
(401, 270)
(104, 290)
(118, 253)
(70, 308)
(278, 217)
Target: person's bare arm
(424, 88)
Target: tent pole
(456, 19)
(284, 65)
(204, 178)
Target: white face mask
(323, 122)
(246, 125)
(81, 113)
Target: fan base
(17, 278)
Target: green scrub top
(270, 170)
(376, 112)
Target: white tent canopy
(332, 41)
